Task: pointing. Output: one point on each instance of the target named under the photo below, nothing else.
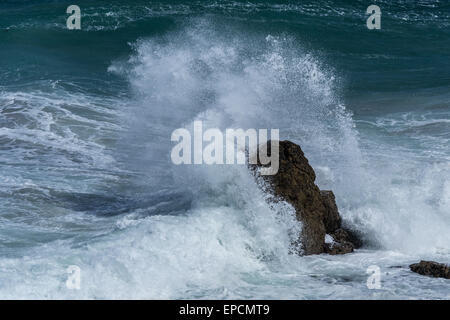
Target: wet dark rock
(338, 248)
(354, 237)
(333, 223)
(341, 243)
(332, 220)
(316, 209)
(431, 268)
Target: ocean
(86, 118)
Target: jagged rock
(431, 268)
(338, 248)
(316, 209)
(333, 223)
(354, 238)
(341, 243)
(340, 235)
(331, 219)
(294, 183)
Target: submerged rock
(316, 209)
(431, 268)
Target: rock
(338, 248)
(331, 219)
(316, 209)
(431, 268)
(294, 183)
(341, 243)
(333, 222)
(354, 238)
(341, 235)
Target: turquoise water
(85, 123)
